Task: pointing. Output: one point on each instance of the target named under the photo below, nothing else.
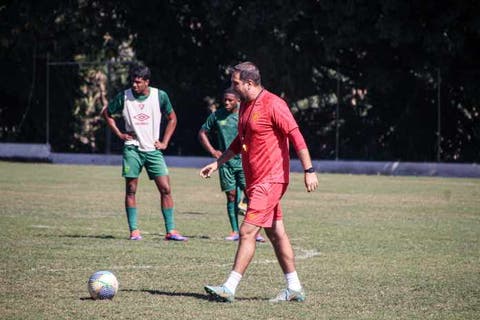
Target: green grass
(367, 247)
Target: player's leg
(243, 257)
(232, 215)
(166, 201)
(257, 215)
(242, 199)
(282, 246)
(132, 163)
(285, 255)
(131, 207)
(167, 206)
(158, 172)
(246, 247)
(227, 184)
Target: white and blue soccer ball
(102, 285)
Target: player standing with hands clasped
(141, 107)
(265, 128)
(232, 179)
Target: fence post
(108, 135)
(47, 101)
(439, 116)
(337, 119)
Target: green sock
(132, 218)
(238, 199)
(168, 218)
(232, 215)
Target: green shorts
(134, 160)
(231, 177)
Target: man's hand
(207, 171)
(160, 145)
(216, 154)
(311, 181)
(126, 136)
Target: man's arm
(205, 142)
(169, 130)
(206, 171)
(232, 150)
(113, 126)
(310, 178)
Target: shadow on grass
(177, 294)
(109, 237)
(191, 294)
(198, 237)
(170, 294)
(101, 236)
(91, 299)
(194, 213)
(156, 237)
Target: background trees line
(370, 75)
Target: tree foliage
(365, 79)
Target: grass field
(367, 247)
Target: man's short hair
(139, 71)
(231, 91)
(247, 71)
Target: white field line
(44, 268)
(301, 254)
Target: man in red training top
(265, 128)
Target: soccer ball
(102, 285)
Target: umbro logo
(141, 117)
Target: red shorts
(264, 203)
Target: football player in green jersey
(142, 108)
(224, 122)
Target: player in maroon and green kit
(232, 179)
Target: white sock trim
(293, 282)
(233, 281)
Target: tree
(383, 65)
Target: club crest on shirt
(141, 106)
(256, 116)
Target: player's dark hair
(247, 71)
(231, 91)
(139, 71)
